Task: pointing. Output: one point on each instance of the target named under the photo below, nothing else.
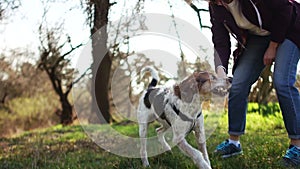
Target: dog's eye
(202, 80)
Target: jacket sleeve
(281, 20)
(220, 36)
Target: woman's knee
(283, 83)
(239, 87)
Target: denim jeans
(247, 72)
(285, 70)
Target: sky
(21, 29)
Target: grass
(263, 145)
(69, 147)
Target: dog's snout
(220, 90)
(221, 86)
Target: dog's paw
(146, 166)
(145, 163)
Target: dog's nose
(221, 87)
(220, 90)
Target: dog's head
(201, 83)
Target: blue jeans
(247, 72)
(285, 70)
(248, 69)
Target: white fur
(179, 127)
(153, 72)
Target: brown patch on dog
(198, 82)
(204, 82)
(176, 89)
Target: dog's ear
(176, 89)
(203, 80)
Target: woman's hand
(221, 72)
(270, 53)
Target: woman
(267, 31)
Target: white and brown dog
(180, 109)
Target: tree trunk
(4, 98)
(66, 116)
(101, 88)
(101, 71)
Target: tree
(19, 77)
(8, 82)
(98, 17)
(57, 66)
(7, 6)
(97, 11)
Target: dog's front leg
(143, 127)
(194, 154)
(161, 138)
(200, 137)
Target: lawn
(69, 147)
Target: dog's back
(152, 100)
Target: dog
(179, 108)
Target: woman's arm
(270, 53)
(220, 36)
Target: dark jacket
(280, 17)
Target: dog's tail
(154, 74)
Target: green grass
(69, 147)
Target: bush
(26, 113)
(265, 110)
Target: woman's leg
(285, 72)
(246, 73)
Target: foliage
(69, 147)
(9, 86)
(27, 101)
(26, 113)
(20, 78)
(264, 109)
